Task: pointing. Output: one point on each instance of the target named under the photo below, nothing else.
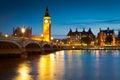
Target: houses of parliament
(104, 38)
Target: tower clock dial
(46, 21)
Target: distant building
(118, 39)
(119, 35)
(106, 37)
(18, 33)
(83, 38)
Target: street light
(57, 40)
(52, 38)
(23, 32)
(42, 37)
(6, 35)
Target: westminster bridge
(17, 46)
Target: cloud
(115, 21)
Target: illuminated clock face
(46, 21)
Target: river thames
(64, 65)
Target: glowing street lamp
(42, 36)
(23, 31)
(52, 38)
(57, 40)
(6, 35)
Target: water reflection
(50, 66)
(105, 52)
(23, 72)
(69, 65)
(46, 67)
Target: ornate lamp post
(42, 37)
(52, 39)
(23, 32)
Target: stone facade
(83, 38)
(106, 37)
(17, 32)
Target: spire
(70, 30)
(100, 29)
(83, 29)
(89, 30)
(76, 30)
(46, 12)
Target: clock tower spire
(46, 12)
(47, 26)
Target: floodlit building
(83, 38)
(118, 39)
(106, 37)
(17, 32)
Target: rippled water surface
(64, 65)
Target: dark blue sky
(65, 14)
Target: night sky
(65, 14)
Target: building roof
(107, 31)
(70, 33)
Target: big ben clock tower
(47, 26)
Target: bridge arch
(9, 47)
(55, 47)
(9, 44)
(59, 47)
(33, 47)
(46, 47)
(29, 42)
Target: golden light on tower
(47, 26)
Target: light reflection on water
(23, 72)
(65, 65)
